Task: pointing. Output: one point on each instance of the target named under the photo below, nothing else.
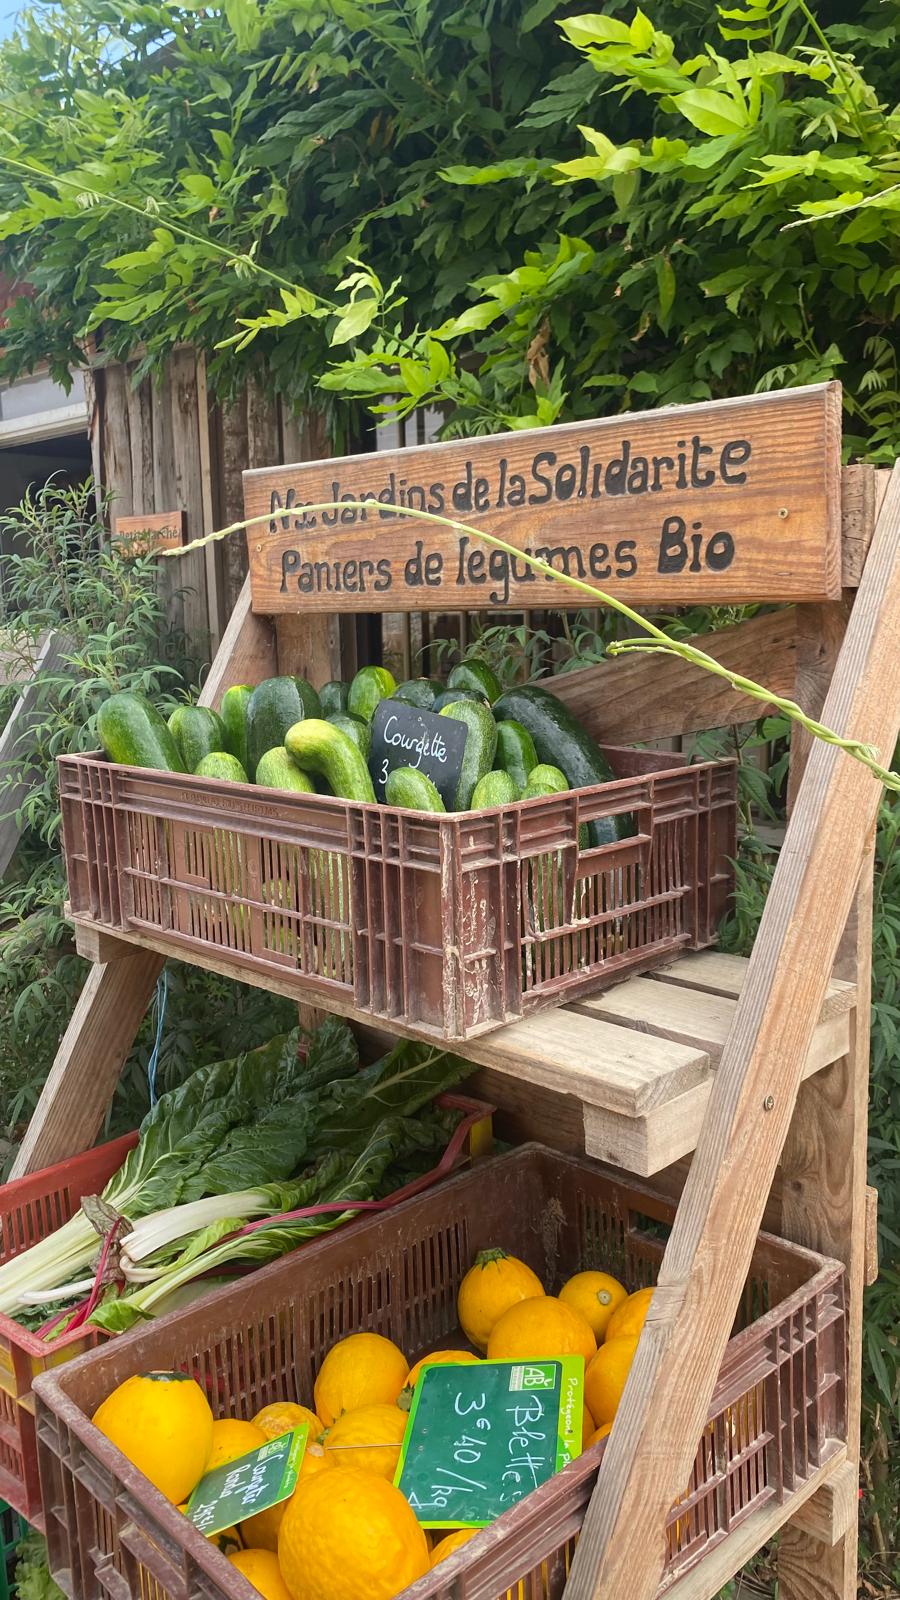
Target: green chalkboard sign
(482, 1436)
(262, 1478)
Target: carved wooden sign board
(731, 501)
(147, 534)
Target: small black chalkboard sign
(404, 736)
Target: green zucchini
(278, 770)
(421, 692)
(357, 730)
(515, 751)
(544, 779)
(133, 733)
(233, 712)
(412, 789)
(452, 697)
(219, 764)
(321, 748)
(476, 674)
(198, 732)
(312, 705)
(481, 743)
(561, 741)
(370, 686)
(275, 705)
(334, 696)
(495, 789)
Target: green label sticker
(262, 1478)
(482, 1436)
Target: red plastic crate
(31, 1208)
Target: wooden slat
(189, 494)
(871, 1270)
(640, 697)
(828, 1514)
(717, 973)
(649, 1143)
(862, 491)
(667, 1395)
(717, 1568)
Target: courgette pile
(283, 734)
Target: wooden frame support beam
(112, 1004)
(666, 1399)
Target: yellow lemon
(587, 1425)
(540, 1329)
(368, 1438)
(495, 1282)
(231, 1439)
(628, 1319)
(162, 1422)
(261, 1569)
(261, 1531)
(364, 1369)
(438, 1358)
(596, 1295)
(350, 1534)
(605, 1378)
(452, 1543)
(282, 1416)
(597, 1435)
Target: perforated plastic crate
(449, 924)
(778, 1410)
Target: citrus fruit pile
(346, 1533)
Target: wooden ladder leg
(824, 1198)
(650, 1452)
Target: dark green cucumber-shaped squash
(219, 764)
(333, 696)
(277, 769)
(354, 727)
(412, 789)
(275, 705)
(515, 751)
(420, 692)
(481, 743)
(476, 674)
(561, 741)
(452, 697)
(319, 748)
(233, 712)
(198, 732)
(133, 734)
(370, 686)
(495, 789)
(312, 705)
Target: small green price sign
(481, 1437)
(252, 1483)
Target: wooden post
(823, 1166)
(97, 1042)
(664, 1407)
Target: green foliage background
(519, 211)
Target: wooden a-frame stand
(778, 1129)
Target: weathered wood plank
(863, 488)
(734, 500)
(665, 1403)
(832, 1511)
(191, 568)
(15, 743)
(657, 697)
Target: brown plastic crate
(450, 925)
(31, 1208)
(778, 1410)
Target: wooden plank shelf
(635, 1064)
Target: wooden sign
(481, 1437)
(253, 1482)
(734, 501)
(405, 736)
(147, 535)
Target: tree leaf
(356, 319)
(710, 111)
